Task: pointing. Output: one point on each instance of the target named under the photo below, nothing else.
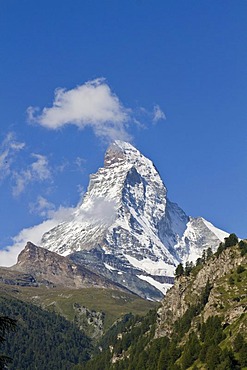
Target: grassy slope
(113, 303)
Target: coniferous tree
(206, 293)
(163, 360)
(243, 247)
(198, 261)
(6, 324)
(243, 355)
(209, 253)
(220, 249)
(240, 269)
(191, 351)
(231, 240)
(238, 342)
(203, 256)
(213, 357)
(188, 268)
(179, 270)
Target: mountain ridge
(201, 324)
(126, 215)
(51, 269)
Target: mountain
(202, 323)
(55, 283)
(40, 266)
(222, 277)
(128, 230)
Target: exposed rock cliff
(227, 291)
(49, 267)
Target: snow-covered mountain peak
(125, 221)
(121, 153)
(124, 148)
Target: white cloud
(42, 207)
(38, 171)
(81, 191)
(8, 256)
(80, 163)
(62, 166)
(102, 211)
(158, 114)
(4, 165)
(40, 168)
(91, 104)
(8, 150)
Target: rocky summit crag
(38, 266)
(126, 228)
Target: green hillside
(112, 303)
(42, 340)
(200, 324)
(211, 333)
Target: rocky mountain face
(128, 230)
(52, 282)
(38, 266)
(12, 277)
(202, 323)
(89, 320)
(224, 275)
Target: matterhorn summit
(126, 228)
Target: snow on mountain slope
(199, 234)
(125, 223)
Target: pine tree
(188, 268)
(243, 355)
(203, 256)
(231, 240)
(191, 351)
(238, 342)
(209, 253)
(179, 270)
(163, 360)
(213, 357)
(6, 324)
(206, 293)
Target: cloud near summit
(92, 104)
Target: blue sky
(171, 76)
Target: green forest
(43, 339)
